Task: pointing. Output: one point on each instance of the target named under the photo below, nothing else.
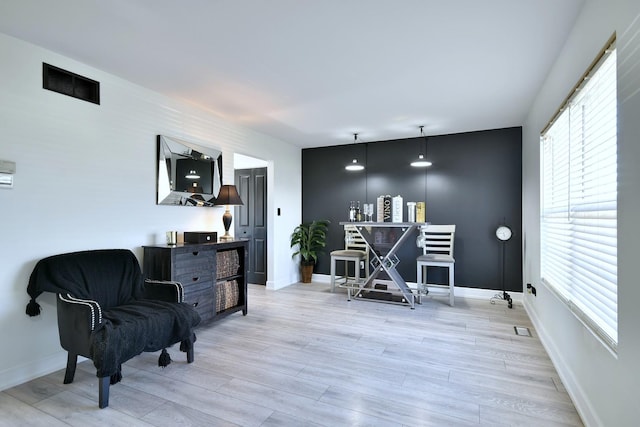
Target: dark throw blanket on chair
(129, 323)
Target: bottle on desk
(411, 211)
(421, 212)
(397, 209)
(384, 208)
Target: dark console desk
(213, 275)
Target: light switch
(6, 180)
(7, 169)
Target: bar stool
(356, 251)
(436, 242)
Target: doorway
(251, 218)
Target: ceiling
(313, 73)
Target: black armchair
(109, 314)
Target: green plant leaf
(309, 238)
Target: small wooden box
(200, 237)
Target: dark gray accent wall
(475, 182)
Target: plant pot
(306, 271)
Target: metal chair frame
(436, 242)
(356, 251)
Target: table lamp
(228, 196)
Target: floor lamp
(228, 196)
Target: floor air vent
(522, 331)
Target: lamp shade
(228, 195)
(354, 166)
(422, 162)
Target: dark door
(251, 220)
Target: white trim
(274, 285)
(22, 373)
(460, 291)
(476, 293)
(578, 396)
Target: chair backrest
(353, 240)
(437, 239)
(111, 277)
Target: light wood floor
(305, 356)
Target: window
(579, 201)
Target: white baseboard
(32, 370)
(577, 394)
(274, 285)
(476, 293)
(321, 278)
(460, 291)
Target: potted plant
(310, 239)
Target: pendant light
(192, 175)
(354, 165)
(421, 161)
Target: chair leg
(190, 354)
(103, 391)
(424, 280)
(419, 282)
(451, 286)
(346, 280)
(345, 266)
(72, 360)
(333, 275)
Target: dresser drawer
(192, 278)
(198, 287)
(201, 298)
(194, 267)
(194, 260)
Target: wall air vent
(68, 83)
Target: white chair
(436, 242)
(356, 251)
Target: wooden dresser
(213, 275)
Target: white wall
(604, 387)
(86, 179)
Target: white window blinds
(579, 201)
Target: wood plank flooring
(306, 357)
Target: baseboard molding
(321, 278)
(575, 391)
(274, 285)
(460, 291)
(28, 371)
(477, 293)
